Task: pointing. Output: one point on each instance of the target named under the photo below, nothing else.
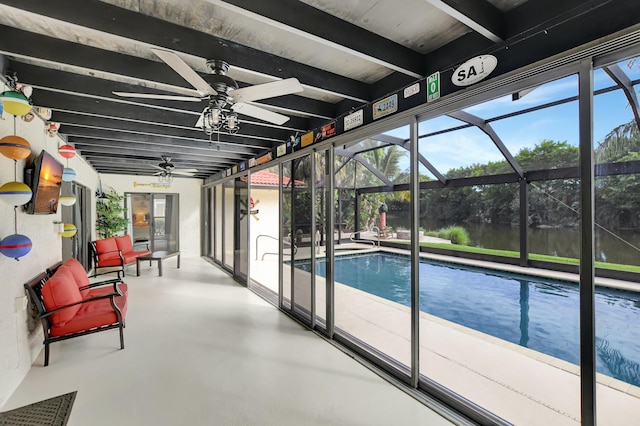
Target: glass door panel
(373, 286)
(288, 240)
(241, 230)
(228, 221)
(140, 218)
(165, 222)
(301, 219)
(217, 224)
(322, 197)
(617, 239)
(507, 342)
(263, 228)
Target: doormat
(50, 412)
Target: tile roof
(266, 178)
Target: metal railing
(295, 248)
(361, 240)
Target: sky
(560, 123)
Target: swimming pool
(537, 313)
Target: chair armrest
(109, 251)
(101, 283)
(91, 299)
(142, 243)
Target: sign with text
(433, 86)
(265, 158)
(354, 120)
(385, 106)
(414, 89)
(326, 131)
(307, 139)
(474, 70)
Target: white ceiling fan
(225, 98)
(167, 168)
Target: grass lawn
(532, 256)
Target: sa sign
(474, 70)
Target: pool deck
(523, 386)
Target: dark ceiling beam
(129, 24)
(479, 15)
(224, 146)
(536, 30)
(71, 118)
(300, 18)
(132, 166)
(100, 88)
(33, 45)
(137, 160)
(162, 147)
(543, 15)
(134, 161)
(200, 162)
(93, 96)
(225, 140)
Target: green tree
(110, 211)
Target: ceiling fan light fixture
(216, 118)
(232, 125)
(165, 178)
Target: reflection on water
(564, 242)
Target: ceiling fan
(226, 100)
(167, 168)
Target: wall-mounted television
(44, 176)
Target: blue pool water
(536, 313)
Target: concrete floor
(520, 385)
(203, 350)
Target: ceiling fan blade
(156, 96)
(266, 90)
(158, 174)
(181, 67)
(260, 113)
(185, 170)
(200, 122)
(156, 167)
(175, 172)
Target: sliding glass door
(154, 219)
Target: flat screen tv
(44, 176)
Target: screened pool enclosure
(535, 175)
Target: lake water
(565, 242)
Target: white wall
(268, 223)
(20, 339)
(189, 196)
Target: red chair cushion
(110, 261)
(98, 313)
(124, 243)
(58, 291)
(79, 274)
(107, 251)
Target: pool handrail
(361, 240)
(295, 248)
